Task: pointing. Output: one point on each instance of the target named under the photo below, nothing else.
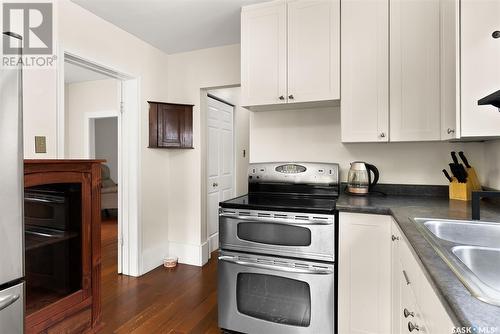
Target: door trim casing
(129, 224)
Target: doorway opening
(98, 118)
(226, 134)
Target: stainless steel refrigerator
(11, 196)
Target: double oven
(276, 265)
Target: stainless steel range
(278, 244)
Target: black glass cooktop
(288, 203)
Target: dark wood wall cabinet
(62, 245)
(170, 125)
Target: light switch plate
(40, 144)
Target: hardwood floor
(179, 300)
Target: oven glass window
(274, 234)
(273, 298)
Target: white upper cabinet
(290, 52)
(415, 91)
(364, 101)
(263, 53)
(313, 50)
(480, 66)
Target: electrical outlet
(40, 144)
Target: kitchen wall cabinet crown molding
(170, 125)
(290, 52)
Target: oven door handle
(295, 270)
(277, 220)
(7, 301)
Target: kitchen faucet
(476, 201)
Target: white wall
(492, 164)
(188, 73)
(242, 142)
(39, 111)
(83, 33)
(314, 135)
(85, 98)
(91, 37)
(106, 143)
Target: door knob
(407, 313)
(495, 34)
(412, 327)
(290, 97)
(281, 97)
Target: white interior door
(220, 164)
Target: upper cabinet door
(364, 102)
(415, 91)
(313, 50)
(263, 54)
(480, 66)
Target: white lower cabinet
(364, 273)
(413, 291)
(380, 277)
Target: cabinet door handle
(407, 313)
(406, 277)
(394, 238)
(450, 131)
(281, 97)
(495, 34)
(215, 184)
(412, 327)
(382, 135)
(291, 97)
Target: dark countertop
(467, 310)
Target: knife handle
(464, 159)
(454, 157)
(445, 172)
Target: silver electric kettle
(359, 180)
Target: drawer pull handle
(406, 277)
(407, 313)
(412, 327)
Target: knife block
(460, 191)
(472, 176)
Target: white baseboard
(188, 253)
(213, 242)
(153, 258)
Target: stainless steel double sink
(471, 249)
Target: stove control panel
(294, 172)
